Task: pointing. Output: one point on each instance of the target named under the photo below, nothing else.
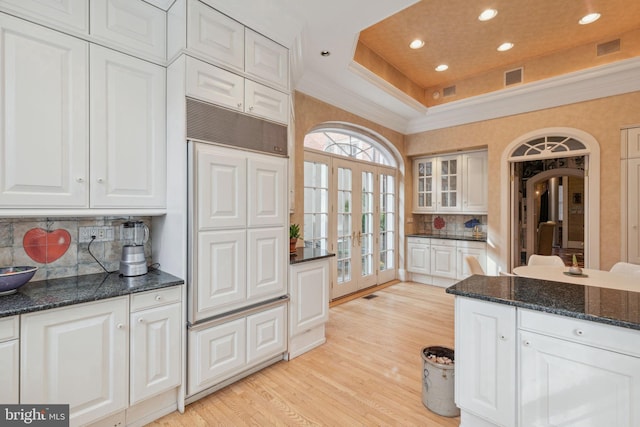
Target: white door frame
(501, 246)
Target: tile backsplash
(76, 260)
(451, 224)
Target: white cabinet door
(309, 303)
(128, 143)
(262, 101)
(69, 14)
(418, 257)
(78, 356)
(443, 260)
(475, 185)
(266, 334)
(44, 121)
(424, 172)
(221, 187)
(215, 36)
(213, 84)
(216, 353)
(266, 263)
(267, 197)
(485, 369)
(221, 282)
(266, 60)
(10, 360)
(448, 184)
(134, 26)
(633, 210)
(463, 252)
(568, 384)
(155, 351)
(9, 372)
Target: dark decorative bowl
(11, 278)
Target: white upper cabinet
(475, 182)
(214, 36)
(133, 26)
(128, 143)
(262, 101)
(266, 60)
(44, 117)
(66, 14)
(213, 84)
(451, 183)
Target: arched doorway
(544, 144)
(351, 184)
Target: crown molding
(318, 87)
(592, 83)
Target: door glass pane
(316, 204)
(366, 235)
(387, 221)
(344, 232)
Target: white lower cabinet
(569, 384)
(222, 349)
(155, 351)
(568, 372)
(441, 262)
(9, 360)
(485, 368)
(77, 355)
(114, 361)
(308, 305)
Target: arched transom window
(347, 143)
(548, 147)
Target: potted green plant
(294, 235)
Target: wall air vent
(449, 91)
(608, 47)
(513, 77)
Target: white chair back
(626, 268)
(545, 260)
(474, 265)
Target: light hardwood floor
(368, 373)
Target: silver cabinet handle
(579, 332)
(141, 320)
(100, 180)
(80, 179)
(120, 326)
(251, 108)
(503, 338)
(239, 104)
(158, 297)
(526, 343)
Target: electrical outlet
(102, 233)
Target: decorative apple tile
(46, 246)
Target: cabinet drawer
(599, 335)
(418, 240)
(443, 242)
(471, 245)
(9, 328)
(155, 298)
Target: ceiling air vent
(449, 91)
(513, 77)
(608, 47)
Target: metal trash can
(438, 382)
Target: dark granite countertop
(450, 236)
(308, 254)
(618, 308)
(46, 294)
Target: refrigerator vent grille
(208, 123)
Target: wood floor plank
(368, 373)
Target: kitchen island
(533, 352)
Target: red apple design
(438, 223)
(45, 246)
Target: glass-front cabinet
(437, 184)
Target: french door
(363, 212)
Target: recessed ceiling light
(442, 67)
(488, 14)
(505, 46)
(588, 19)
(325, 53)
(416, 44)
